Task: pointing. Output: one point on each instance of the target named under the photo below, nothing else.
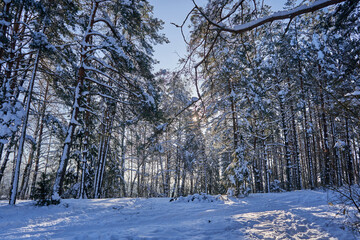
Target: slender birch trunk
(13, 192)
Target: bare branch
(210, 49)
(235, 7)
(182, 25)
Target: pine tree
(125, 66)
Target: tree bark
(59, 179)
(13, 192)
(289, 177)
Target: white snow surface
(289, 215)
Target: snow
(355, 93)
(320, 55)
(194, 99)
(280, 15)
(202, 197)
(289, 215)
(162, 127)
(316, 42)
(149, 100)
(282, 93)
(339, 144)
(4, 23)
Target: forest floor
(290, 215)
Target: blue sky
(175, 11)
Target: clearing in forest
(290, 215)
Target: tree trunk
(108, 121)
(267, 170)
(297, 169)
(26, 174)
(328, 170)
(13, 192)
(289, 179)
(7, 155)
(336, 155)
(123, 156)
(60, 174)
(314, 145)
(349, 159)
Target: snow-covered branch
(288, 14)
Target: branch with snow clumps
(281, 15)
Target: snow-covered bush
(202, 197)
(72, 192)
(231, 192)
(347, 200)
(11, 116)
(275, 186)
(238, 175)
(42, 191)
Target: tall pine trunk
(27, 170)
(289, 179)
(39, 141)
(298, 167)
(123, 155)
(328, 179)
(60, 174)
(349, 158)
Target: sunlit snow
(290, 215)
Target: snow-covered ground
(292, 215)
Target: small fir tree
(239, 175)
(42, 191)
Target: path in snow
(292, 215)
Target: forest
(264, 102)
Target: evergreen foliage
(277, 107)
(42, 191)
